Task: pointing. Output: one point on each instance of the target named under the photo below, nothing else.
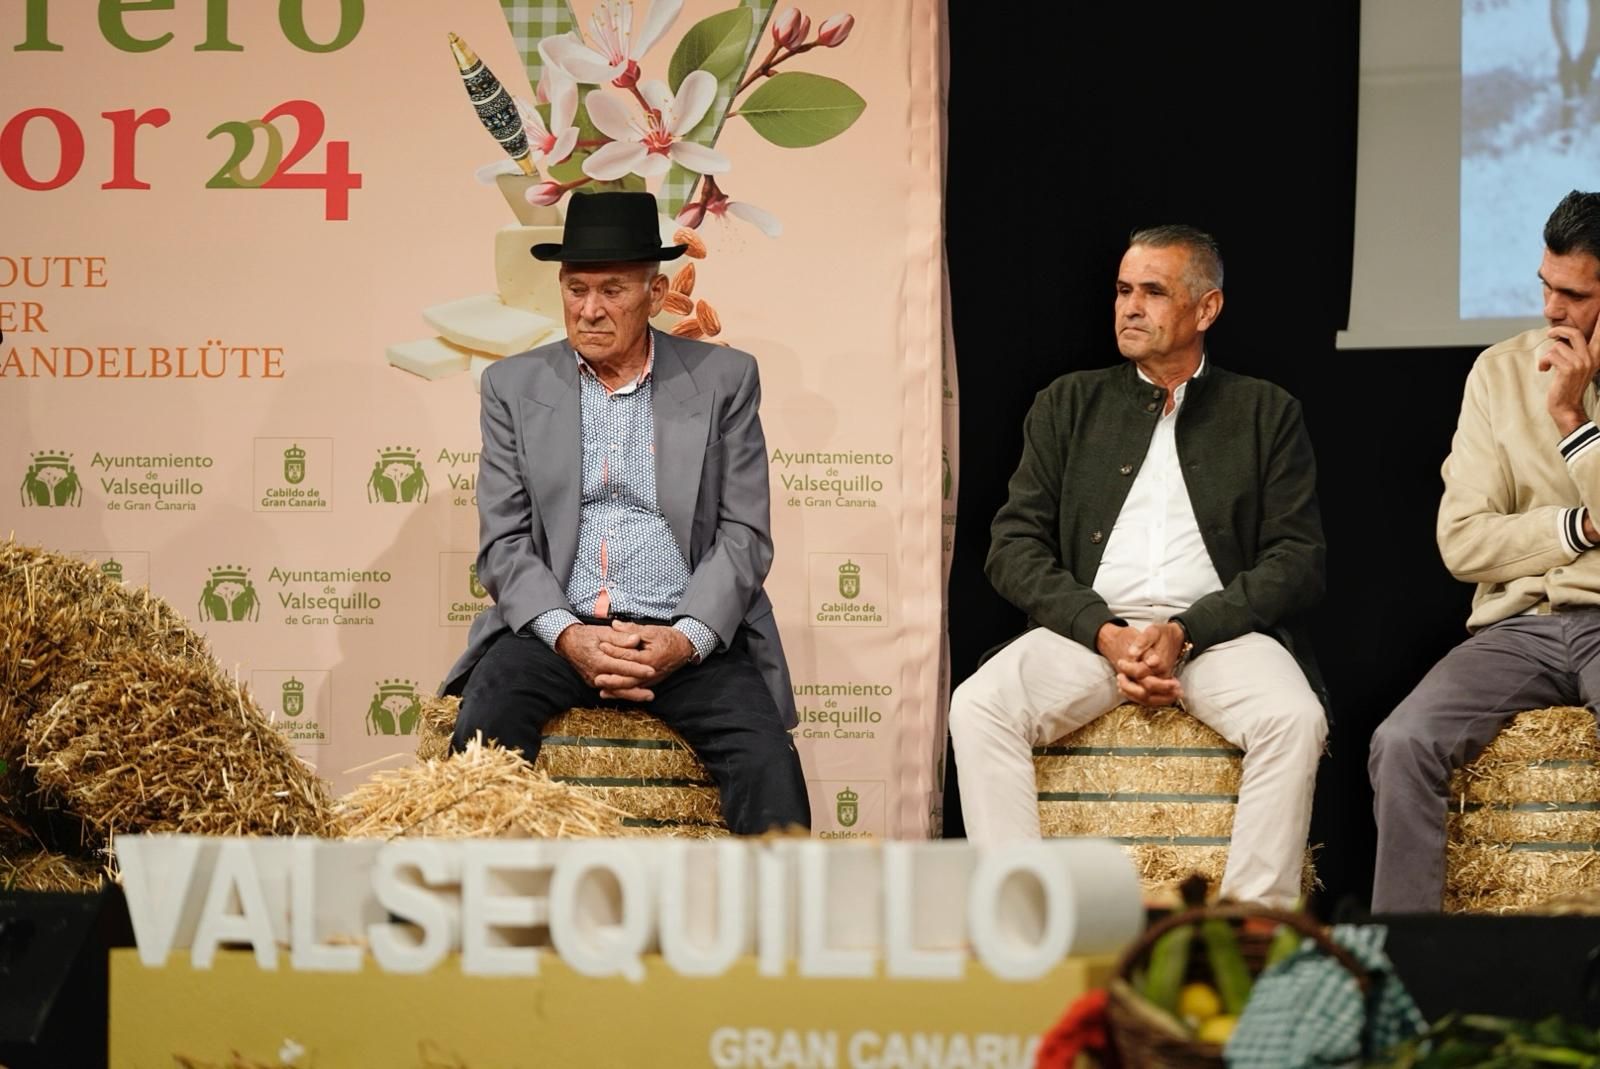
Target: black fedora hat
(609, 228)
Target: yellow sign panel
(444, 1020)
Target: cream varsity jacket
(1516, 493)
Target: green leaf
(716, 44)
(798, 110)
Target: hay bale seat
(1524, 823)
(1158, 781)
(622, 757)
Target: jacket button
(1151, 407)
(1097, 538)
(1155, 393)
(1126, 469)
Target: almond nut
(696, 244)
(710, 322)
(687, 328)
(683, 281)
(677, 304)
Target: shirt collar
(634, 384)
(1183, 387)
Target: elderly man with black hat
(1163, 537)
(624, 530)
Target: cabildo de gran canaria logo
(229, 595)
(849, 580)
(112, 570)
(846, 807)
(475, 588)
(294, 465)
(294, 697)
(395, 708)
(397, 477)
(51, 482)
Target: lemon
(1216, 1029)
(1197, 1001)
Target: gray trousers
(1526, 662)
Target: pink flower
(555, 142)
(692, 215)
(832, 33)
(544, 194)
(763, 220)
(648, 145)
(614, 58)
(790, 28)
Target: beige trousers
(1249, 690)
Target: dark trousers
(1526, 662)
(721, 707)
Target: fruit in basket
(1169, 960)
(1198, 1002)
(1216, 1029)
(1228, 970)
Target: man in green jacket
(1162, 535)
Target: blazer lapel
(552, 445)
(683, 418)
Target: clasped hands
(1146, 660)
(625, 660)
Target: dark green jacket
(1251, 475)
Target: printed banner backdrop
(248, 278)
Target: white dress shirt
(1155, 555)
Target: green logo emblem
(51, 482)
(294, 465)
(845, 807)
(397, 477)
(475, 587)
(294, 697)
(395, 708)
(229, 595)
(948, 479)
(112, 570)
(849, 580)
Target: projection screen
(1476, 117)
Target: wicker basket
(1149, 1038)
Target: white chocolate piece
(432, 358)
(483, 322)
(526, 283)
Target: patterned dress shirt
(628, 562)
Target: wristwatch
(1187, 647)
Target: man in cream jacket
(1523, 472)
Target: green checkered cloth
(531, 21)
(1306, 1012)
(680, 181)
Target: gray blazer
(711, 482)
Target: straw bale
(1104, 774)
(1134, 725)
(484, 791)
(670, 792)
(1486, 877)
(1495, 825)
(435, 726)
(1141, 819)
(158, 744)
(25, 867)
(1558, 733)
(1516, 782)
(65, 622)
(564, 761)
(695, 805)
